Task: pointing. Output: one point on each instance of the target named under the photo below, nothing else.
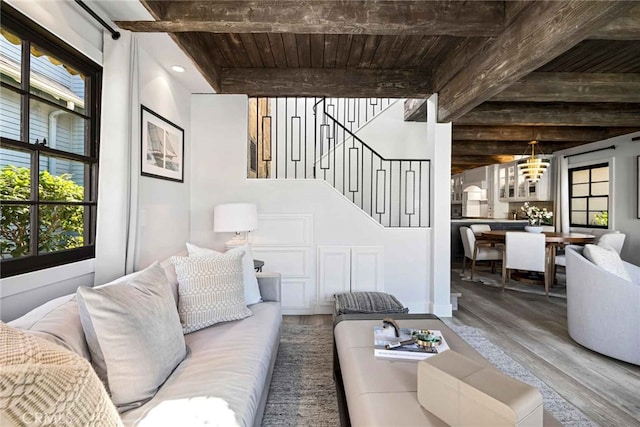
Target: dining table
(553, 239)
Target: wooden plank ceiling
(562, 72)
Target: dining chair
(478, 229)
(525, 251)
(476, 251)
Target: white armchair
(477, 251)
(602, 308)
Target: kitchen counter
(457, 250)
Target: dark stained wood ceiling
(563, 72)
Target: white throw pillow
(134, 335)
(606, 258)
(210, 290)
(251, 288)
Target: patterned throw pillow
(251, 288)
(210, 290)
(606, 258)
(43, 383)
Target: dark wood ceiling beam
(488, 159)
(626, 27)
(194, 46)
(538, 34)
(415, 110)
(324, 82)
(513, 148)
(553, 114)
(406, 17)
(573, 87)
(539, 133)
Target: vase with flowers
(536, 217)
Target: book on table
(386, 344)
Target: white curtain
(561, 194)
(119, 159)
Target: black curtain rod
(114, 34)
(611, 147)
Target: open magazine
(384, 337)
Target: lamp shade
(235, 217)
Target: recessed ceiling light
(177, 68)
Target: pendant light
(532, 166)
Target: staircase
(317, 138)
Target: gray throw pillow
(134, 335)
(210, 290)
(606, 258)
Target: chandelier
(532, 166)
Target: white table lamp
(236, 218)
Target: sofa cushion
(251, 289)
(210, 290)
(606, 258)
(225, 372)
(43, 381)
(134, 334)
(57, 321)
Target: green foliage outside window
(601, 218)
(60, 226)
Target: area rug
(559, 289)
(302, 391)
(557, 406)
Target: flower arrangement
(535, 215)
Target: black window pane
(10, 58)
(10, 114)
(15, 230)
(15, 175)
(55, 81)
(61, 129)
(62, 180)
(61, 227)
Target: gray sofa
(603, 310)
(227, 370)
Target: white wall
(218, 175)
(623, 215)
(163, 205)
(392, 137)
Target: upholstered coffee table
(376, 392)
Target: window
(589, 196)
(49, 127)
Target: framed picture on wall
(162, 147)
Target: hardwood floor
(533, 331)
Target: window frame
(30, 32)
(589, 167)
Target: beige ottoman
(462, 392)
